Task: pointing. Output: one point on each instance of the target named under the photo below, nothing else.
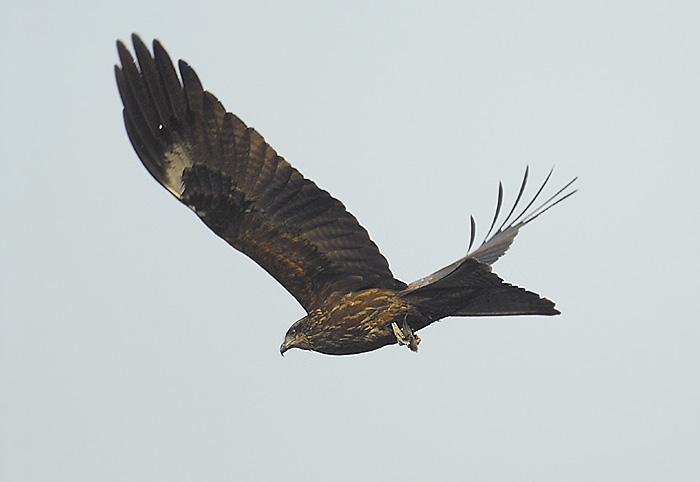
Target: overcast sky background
(136, 345)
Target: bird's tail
(472, 289)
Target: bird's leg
(405, 335)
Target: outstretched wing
(468, 287)
(238, 185)
(494, 246)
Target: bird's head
(296, 336)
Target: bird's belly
(364, 326)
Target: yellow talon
(405, 336)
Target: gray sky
(136, 345)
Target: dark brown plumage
(256, 201)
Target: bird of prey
(262, 206)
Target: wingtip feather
(495, 245)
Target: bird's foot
(405, 336)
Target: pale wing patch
(177, 159)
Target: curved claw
(405, 336)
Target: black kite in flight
(255, 200)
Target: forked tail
(473, 290)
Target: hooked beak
(284, 347)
